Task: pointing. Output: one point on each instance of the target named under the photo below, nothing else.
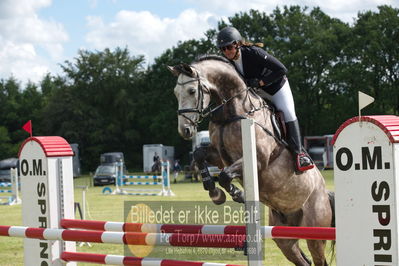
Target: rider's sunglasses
(228, 47)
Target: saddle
(278, 121)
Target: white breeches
(284, 102)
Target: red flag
(28, 127)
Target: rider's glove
(253, 83)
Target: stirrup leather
(303, 162)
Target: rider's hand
(253, 83)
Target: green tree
(158, 118)
(373, 59)
(95, 106)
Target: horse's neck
(229, 86)
(240, 100)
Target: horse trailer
(76, 160)
(164, 153)
(321, 150)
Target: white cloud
(31, 45)
(147, 34)
(28, 44)
(342, 9)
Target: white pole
(165, 172)
(84, 189)
(15, 186)
(251, 188)
(119, 179)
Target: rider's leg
(302, 160)
(285, 102)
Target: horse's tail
(331, 198)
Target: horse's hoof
(217, 195)
(239, 197)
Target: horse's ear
(187, 70)
(182, 69)
(174, 70)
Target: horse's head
(193, 97)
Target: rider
(156, 158)
(261, 70)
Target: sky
(36, 36)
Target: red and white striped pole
(129, 238)
(124, 260)
(319, 233)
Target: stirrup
(303, 162)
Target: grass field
(110, 208)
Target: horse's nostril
(187, 131)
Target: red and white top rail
(125, 260)
(127, 238)
(319, 233)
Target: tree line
(109, 101)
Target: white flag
(364, 100)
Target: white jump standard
(47, 188)
(162, 181)
(14, 191)
(366, 153)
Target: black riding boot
(302, 160)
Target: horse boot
(302, 160)
(217, 195)
(236, 194)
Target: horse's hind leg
(292, 252)
(318, 211)
(316, 247)
(289, 247)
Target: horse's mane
(228, 78)
(211, 57)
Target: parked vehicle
(112, 157)
(5, 168)
(164, 153)
(75, 160)
(201, 139)
(107, 171)
(105, 174)
(321, 150)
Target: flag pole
(364, 100)
(28, 127)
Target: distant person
(156, 167)
(176, 170)
(156, 158)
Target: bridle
(200, 109)
(204, 112)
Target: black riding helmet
(227, 36)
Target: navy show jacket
(257, 63)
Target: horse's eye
(191, 91)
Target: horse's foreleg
(217, 195)
(227, 176)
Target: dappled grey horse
(210, 86)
